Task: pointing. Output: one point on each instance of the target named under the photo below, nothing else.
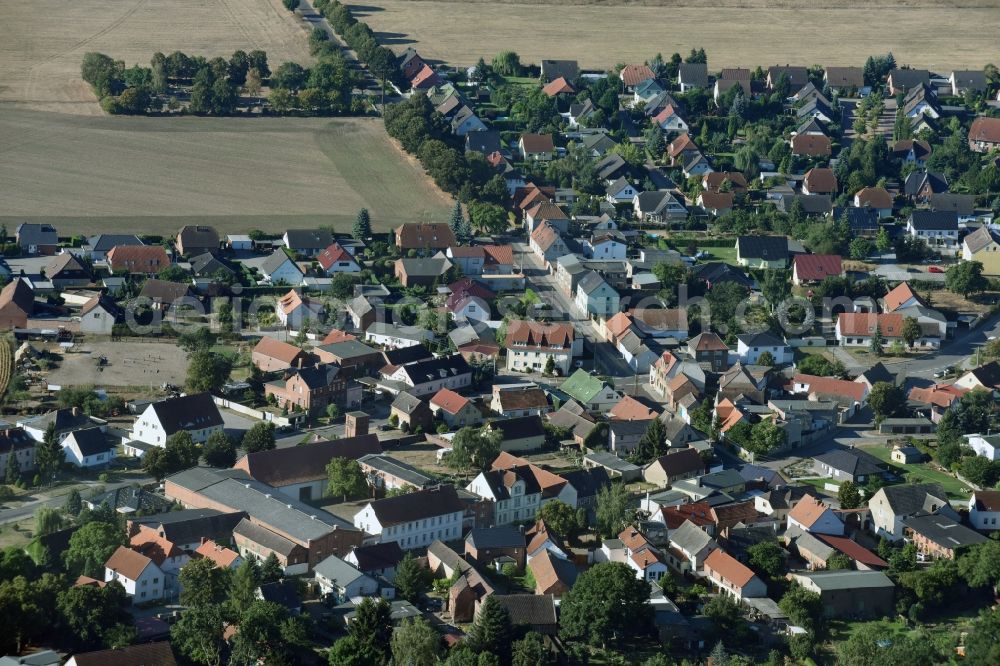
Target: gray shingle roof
(505, 536)
(690, 538)
(397, 468)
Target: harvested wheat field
(42, 42)
(936, 34)
(153, 175)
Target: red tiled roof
(807, 511)
(716, 200)
(941, 395)
(681, 144)
(874, 197)
(821, 180)
(138, 258)
(985, 129)
(501, 255)
(127, 562)
(863, 324)
(831, 386)
(222, 556)
(708, 342)
(277, 349)
(153, 546)
(811, 145)
(558, 87)
(337, 335)
(524, 332)
(332, 255)
(449, 401)
(537, 143)
(902, 293)
(716, 179)
(817, 266)
(729, 568)
(630, 409)
(853, 550)
(633, 75)
(416, 236)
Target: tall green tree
(92, 614)
(371, 630)
(885, 399)
(49, 456)
(559, 516)
(271, 571)
(47, 520)
(768, 558)
(966, 278)
(652, 444)
(474, 448)
(219, 450)
(198, 634)
(766, 436)
(614, 510)
(345, 479)
(415, 643)
(911, 331)
(849, 496)
(491, 630)
(207, 371)
(606, 604)
(362, 225)
(94, 542)
(203, 583)
(243, 584)
(260, 437)
(74, 503)
(266, 634)
(877, 344)
(411, 579)
(531, 651)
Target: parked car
(935, 269)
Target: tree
(49, 455)
(550, 365)
(839, 561)
(47, 521)
(727, 616)
(455, 221)
(849, 496)
(882, 241)
(506, 63)
(243, 585)
(198, 634)
(766, 436)
(94, 543)
(488, 218)
(271, 571)
(346, 479)
(614, 509)
(804, 609)
(911, 331)
(877, 344)
(966, 278)
(253, 82)
(219, 450)
(768, 558)
(981, 645)
(766, 359)
(979, 565)
(530, 651)
(652, 444)
(74, 503)
(415, 643)
(266, 634)
(202, 583)
(371, 630)
(607, 603)
(860, 249)
(561, 517)
(207, 371)
(814, 364)
(290, 5)
(260, 437)
(362, 225)
(885, 399)
(474, 448)
(91, 613)
(491, 630)
(411, 579)
(12, 473)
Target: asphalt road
(29, 508)
(959, 352)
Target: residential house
(396, 337)
(939, 229)
(377, 559)
(37, 238)
(590, 391)
(633, 75)
(963, 80)
(876, 198)
(197, 239)
(187, 528)
(431, 375)
(750, 347)
(425, 271)
(414, 520)
(850, 594)
(388, 473)
(278, 268)
(271, 354)
(902, 80)
(522, 433)
(595, 296)
(984, 377)
(312, 390)
(553, 575)
(939, 537)
(984, 510)
(730, 78)
(811, 145)
(892, 505)
(986, 446)
(935, 400)
(819, 181)
(709, 348)
(137, 259)
(901, 297)
(536, 147)
(426, 237)
(546, 242)
(307, 242)
(66, 270)
(675, 466)
(762, 251)
(670, 121)
(224, 558)
(17, 304)
(620, 191)
(716, 203)
(485, 546)
(795, 76)
(731, 577)
(813, 516)
(912, 151)
(519, 400)
(919, 186)
(855, 329)
(849, 465)
(546, 211)
(606, 245)
(16, 442)
(195, 414)
(89, 447)
(295, 310)
(692, 75)
(411, 412)
(814, 268)
(659, 206)
(142, 579)
(98, 246)
(844, 80)
(983, 245)
(343, 581)
(335, 259)
(984, 134)
(514, 493)
(531, 344)
(554, 69)
(455, 410)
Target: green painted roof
(582, 386)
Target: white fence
(280, 421)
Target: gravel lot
(129, 364)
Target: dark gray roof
(934, 220)
(910, 498)
(309, 239)
(274, 262)
(397, 468)
(917, 180)
(553, 69)
(187, 412)
(590, 282)
(859, 219)
(407, 402)
(519, 427)
(812, 204)
(189, 525)
(264, 537)
(853, 462)
(770, 248)
(29, 233)
(506, 536)
(336, 569)
(426, 503)
(963, 204)
(718, 272)
(690, 538)
(283, 592)
(131, 499)
(378, 556)
(610, 166)
(65, 420)
(907, 78)
(943, 531)
(483, 141)
(693, 73)
(425, 267)
(528, 609)
(349, 349)
(436, 368)
(92, 441)
(764, 339)
(104, 242)
(587, 482)
(207, 265)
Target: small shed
(906, 455)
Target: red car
(935, 269)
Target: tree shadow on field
(393, 38)
(360, 11)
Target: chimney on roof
(356, 424)
(75, 411)
(298, 363)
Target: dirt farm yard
(922, 33)
(135, 364)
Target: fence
(280, 421)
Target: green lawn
(726, 254)
(921, 473)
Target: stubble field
(922, 33)
(153, 175)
